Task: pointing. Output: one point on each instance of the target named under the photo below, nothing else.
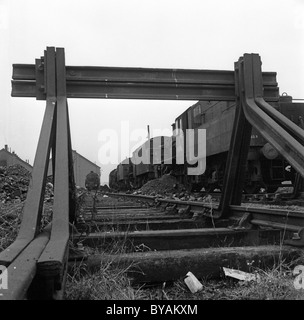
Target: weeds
(10, 217)
(10, 220)
(111, 282)
(108, 283)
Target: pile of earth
(14, 181)
(104, 188)
(166, 185)
(49, 192)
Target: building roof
(15, 155)
(94, 164)
(26, 163)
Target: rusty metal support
(42, 258)
(288, 143)
(238, 151)
(33, 206)
(72, 185)
(22, 271)
(52, 262)
(284, 135)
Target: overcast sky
(194, 34)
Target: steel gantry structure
(42, 275)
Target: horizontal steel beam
(142, 75)
(140, 83)
(80, 89)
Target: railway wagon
(148, 159)
(265, 167)
(125, 174)
(113, 179)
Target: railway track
(280, 198)
(163, 239)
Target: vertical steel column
(52, 262)
(72, 189)
(30, 225)
(238, 152)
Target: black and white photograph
(152, 153)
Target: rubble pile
(165, 186)
(49, 192)
(10, 217)
(104, 188)
(14, 181)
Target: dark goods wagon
(148, 160)
(266, 168)
(124, 174)
(113, 179)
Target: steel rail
(285, 217)
(276, 225)
(290, 148)
(22, 271)
(142, 75)
(138, 83)
(132, 90)
(155, 199)
(288, 125)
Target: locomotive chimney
(148, 128)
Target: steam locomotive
(266, 168)
(92, 181)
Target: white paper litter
(192, 283)
(241, 275)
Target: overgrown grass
(112, 283)
(10, 217)
(10, 220)
(106, 284)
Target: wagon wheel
(251, 188)
(271, 189)
(211, 187)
